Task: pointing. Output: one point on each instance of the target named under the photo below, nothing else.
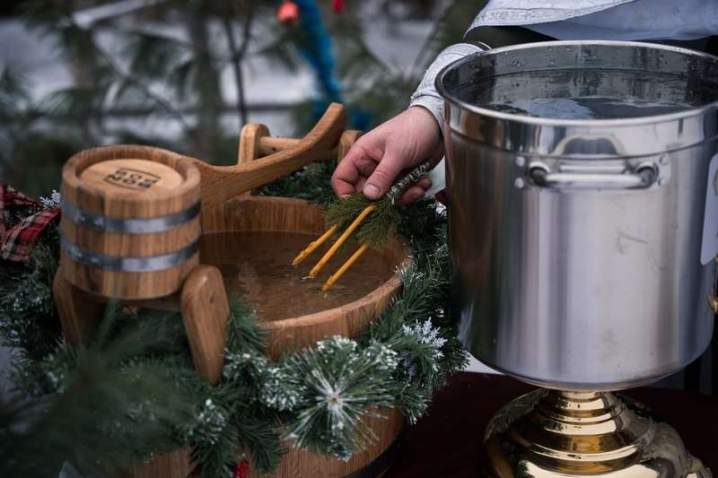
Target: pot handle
(642, 177)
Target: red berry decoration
(288, 13)
(241, 469)
(338, 6)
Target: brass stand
(551, 434)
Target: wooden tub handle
(268, 145)
(219, 183)
(255, 141)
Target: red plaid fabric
(16, 243)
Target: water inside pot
(589, 93)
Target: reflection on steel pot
(583, 217)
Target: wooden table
(446, 442)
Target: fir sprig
(313, 183)
(381, 224)
(376, 229)
(341, 382)
(96, 401)
(28, 319)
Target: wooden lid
(130, 182)
(132, 178)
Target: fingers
(424, 183)
(375, 161)
(415, 192)
(410, 195)
(350, 175)
(359, 186)
(383, 176)
(346, 174)
(359, 172)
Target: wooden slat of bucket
(175, 464)
(79, 312)
(256, 142)
(114, 244)
(347, 140)
(205, 313)
(250, 142)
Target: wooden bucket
(130, 222)
(270, 214)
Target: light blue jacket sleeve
(426, 94)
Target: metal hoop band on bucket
(129, 226)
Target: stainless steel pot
(583, 248)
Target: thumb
(383, 177)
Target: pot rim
(588, 123)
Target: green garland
(315, 397)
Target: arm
(380, 156)
(426, 94)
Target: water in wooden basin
(253, 240)
(257, 265)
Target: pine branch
(381, 224)
(81, 48)
(141, 86)
(101, 404)
(375, 230)
(313, 183)
(152, 55)
(280, 52)
(14, 93)
(339, 394)
(237, 55)
(449, 29)
(28, 319)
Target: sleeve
(426, 94)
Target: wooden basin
(253, 213)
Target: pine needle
(375, 230)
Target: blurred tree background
(175, 73)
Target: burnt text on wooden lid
(131, 178)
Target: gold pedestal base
(551, 434)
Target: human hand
(377, 159)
